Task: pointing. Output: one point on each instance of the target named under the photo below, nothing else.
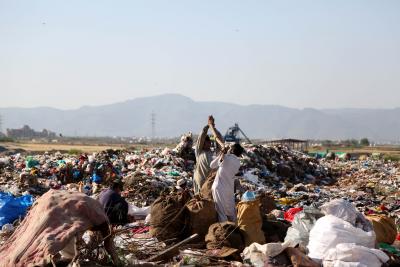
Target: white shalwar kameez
(223, 188)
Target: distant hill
(176, 114)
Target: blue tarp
(11, 208)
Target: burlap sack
(250, 221)
(226, 235)
(384, 227)
(205, 191)
(167, 218)
(201, 214)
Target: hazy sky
(342, 53)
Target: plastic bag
(303, 222)
(289, 215)
(251, 177)
(4, 161)
(96, 178)
(138, 212)
(11, 208)
(350, 254)
(342, 209)
(31, 162)
(329, 231)
(269, 250)
(248, 196)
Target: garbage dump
(293, 210)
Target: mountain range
(176, 114)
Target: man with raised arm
(204, 155)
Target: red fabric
(289, 215)
(141, 230)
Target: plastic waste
(350, 254)
(389, 248)
(76, 174)
(4, 161)
(96, 178)
(138, 212)
(342, 209)
(289, 215)
(11, 208)
(251, 177)
(7, 228)
(31, 162)
(303, 222)
(329, 231)
(174, 173)
(248, 196)
(269, 250)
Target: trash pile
(278, 164)
(292, 209)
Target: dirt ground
(42, 147)
(71, 147)
(392, 152)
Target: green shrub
(74, 151)
(391, 157)
(6, 139)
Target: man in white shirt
(223, 188)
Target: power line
(153, 125)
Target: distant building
(296, 144)
(27, 132)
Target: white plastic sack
(329, 231)
(350, 254)
(4, 161)
(91, 158)
(342, 209)
(303, 222)
(257, 254)
(138, 212)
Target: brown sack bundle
(205, 191)
(201, 213)
(384, 227)
(167, 217)
(250, 221)
(224, 235)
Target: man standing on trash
(204, 155)
(223, 188)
